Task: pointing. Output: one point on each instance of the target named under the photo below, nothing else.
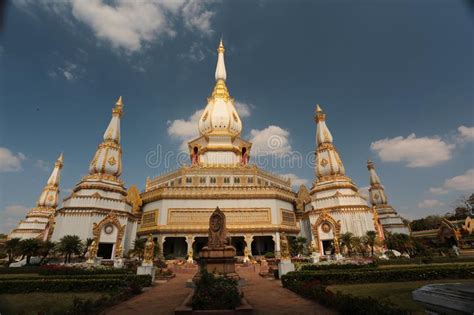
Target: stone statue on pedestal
(149, 252)
(284, 246)
(218, 257)
(92, 252)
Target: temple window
(250, 180)
(189, 180)
(226, 180)
(236, 180)
(212, 180)
(202, 180)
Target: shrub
(344, 303)
(308, 267)
(19, 270)
(270, 255)
(369, 275)
(72, 284)
(53, 270)
(215, 293)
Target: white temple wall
(358, 223)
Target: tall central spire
(50, 194)
(220, 68)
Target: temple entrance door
(199, 243)
(105, 250)
(239, 243)
(328, 247)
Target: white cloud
(466, 134)
(43, 165)
(464, 182)
(187, 129)
(11, 216)
(130, 25)
(195, 53)
(69, 71)
(416, 152)
(438, 191)
(295, 180)
(272, 140)
(10, 162)
(430, 204)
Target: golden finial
(59, 161)
(370, 165)
(221, 48)
(118, 107)
(320, 116)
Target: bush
(73, 284)
(215, 293)
(369, 275)
(308, 267)
(344, 303)
(270, 255)
(54, 270)
(18, 270)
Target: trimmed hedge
(424, 260)
(54, 270)
(309, 267)
(373, 275)
(59, 277)
(73, 284)
(18, 270)
(343, 303)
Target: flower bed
(47, 270)
(308, 267)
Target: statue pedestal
(220, 261)
(315, 257)
(147, 270)
(118, 263)
(285, 266)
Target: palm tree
(370, 239)
(29, 247)
(70, 245)
(45, 249)
(347, 241)
(12, 247)
(358, 245)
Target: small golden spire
(320, 115)
(118, 107)
(221, 48)
(370, 165)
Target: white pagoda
(336, 206)
(39, 222)
(258, 205)
(389, 218)
(98, 207)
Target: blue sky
(395, 79)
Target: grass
(397, 293)
(47, 303)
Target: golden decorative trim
(111, 218)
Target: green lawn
(48, 303)
(398, 293)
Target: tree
(357, 245)
(370, 240)
(429, 223)
(70, 245)
(347, 241)
(297, 245)
(12, 247)
(45, 249)
(29, 247)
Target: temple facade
(258, 205)
(39, 222)
(98, 207)
(388, 217)
(335, 205)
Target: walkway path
(266, 297)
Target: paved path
(266, 297)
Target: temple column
(189, 242)
(276, 239)
(160, 240)
(248, 247)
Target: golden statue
(92, 251)
(149, 251)
(284, 246)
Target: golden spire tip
(318, 108)
(119, 101)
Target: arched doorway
(175, 247)
(199, 243)
(239, 243)
(262, 245)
